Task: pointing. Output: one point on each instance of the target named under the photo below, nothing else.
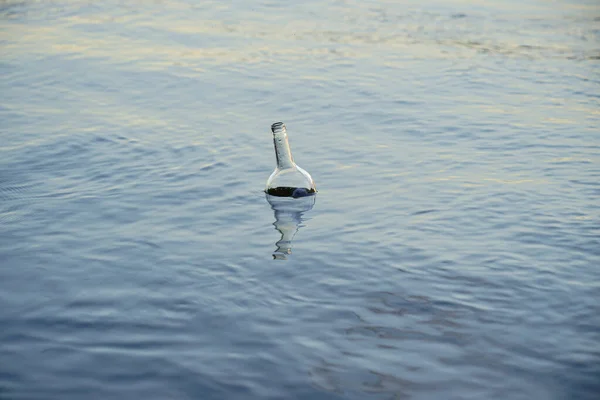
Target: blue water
(453, 251)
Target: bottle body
(288, 179)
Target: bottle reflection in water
(289, 213)
(290, 191)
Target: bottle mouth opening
(278, 127)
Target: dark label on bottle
(286, 191)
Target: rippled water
(453, 251)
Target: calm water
(453, 251)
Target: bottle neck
(282, 146)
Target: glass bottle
(288, 179)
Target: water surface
(453, 251)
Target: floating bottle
(290, 192)
(288, 179)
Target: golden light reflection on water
(131, 40)
(474, 180)
(569, 159)
(152, 55)
(253, 39)
(562, 121)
